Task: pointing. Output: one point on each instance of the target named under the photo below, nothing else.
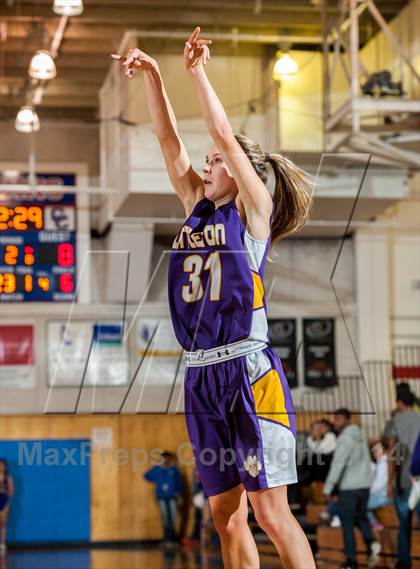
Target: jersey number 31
(193, 264)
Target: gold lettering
(209, 235)
(220, 234)
(197, 239)
(176, 243)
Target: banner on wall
(319, 352)
(94, 349)
(282, 332)
(17, 356)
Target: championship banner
(319, 352)
(282, 333)
(17, 356)
(97, 348)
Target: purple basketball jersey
(216, 295)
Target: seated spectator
(321, 443)
(378, 497)
(322, 439)
(331, 512)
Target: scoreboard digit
(38, 245)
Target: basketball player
(239, 411)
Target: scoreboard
(38, 245)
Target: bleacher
(327, 542)
(330, 546)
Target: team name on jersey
(211, 236)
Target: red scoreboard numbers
(38, 243)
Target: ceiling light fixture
(27, 120)
(42, 66)
(68, 7)
(284, 67)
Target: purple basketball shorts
(241, 423)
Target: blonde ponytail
(293, 190)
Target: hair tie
(267, 157)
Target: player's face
(218, 179)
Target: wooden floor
(146, 557)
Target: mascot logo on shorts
(252, 465)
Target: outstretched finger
(203, 42)
(116, 56)
(193, 37)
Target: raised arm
(186, 182)
(253, 193)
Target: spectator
(314, 453)
(378, 497)
(402, 432)
(6, 491)
(389, 425)
(404, 386)
(331, 513)
(414, 497)
(321, 443)
(169, 488)
(351, 472)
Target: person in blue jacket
(169, 488)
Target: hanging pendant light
(284, 67)
(27, 120)
(68, 7)
(42, 66)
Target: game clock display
(37, 247)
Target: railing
(406, 363)
(351, 392)
(371, 395)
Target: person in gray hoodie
(402, 433)
(351, 473)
